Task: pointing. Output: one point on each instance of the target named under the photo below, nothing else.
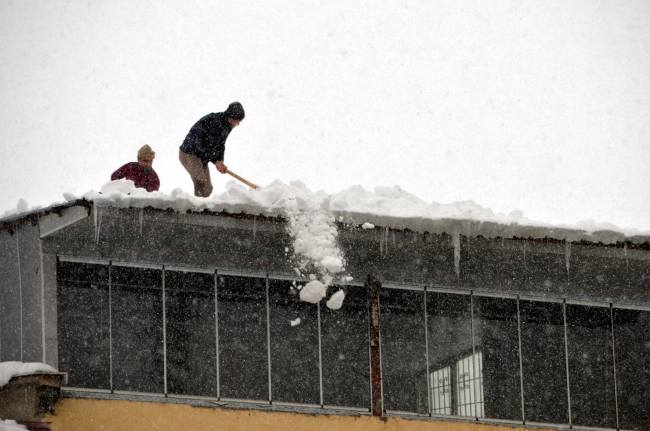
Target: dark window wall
(295, 369)
(543, 357)
(449, 320)
(220, 346)
(344, 332)
(591, 366)
(496, 339)
(243, 350)
(190, 333)
(403, 351)
(632, 346)
(83, 324)
(137, 328)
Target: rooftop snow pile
(385, 207)
(10, 425)
(11, 369)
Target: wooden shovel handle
(248, 183)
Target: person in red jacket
(141, 173)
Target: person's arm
(218, 144)
(120, 173)
(154, 184)
(221, 167)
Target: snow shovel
(248, 183)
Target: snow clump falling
(336, 301)
(313, 230)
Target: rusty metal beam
(373, 285)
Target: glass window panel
(243, 350)
(346, 371)
(591, 366)
(441, 392)
(83, 324)
(449, 319)
(469, 386)
(137, 324)
(496, 338)
(632, 343)
(295, 373)
(544, 362)
(403, 350)
(191, 337)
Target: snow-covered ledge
(29, 390)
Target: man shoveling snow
(206, 143)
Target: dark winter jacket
(131, 171)
(207, 138)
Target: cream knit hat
(146, 151)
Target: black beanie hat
(235, 111)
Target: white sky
(540, 106)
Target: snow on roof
(11, 425)
(12, 368)
(384, 207)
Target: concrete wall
(28, 287)
(90, 415)
(10, 303)
(21, 322)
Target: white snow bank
(9, 425)
(10, 369)
(385, 206)
(21, 207)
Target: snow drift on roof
(384, 207)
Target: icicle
(254, 227)
(525, 249)
(95, 219)
(140, 216)
(567, 256)
(98, 225)
(627, 262)
(386, 238)
(456, 239)
(381, 246)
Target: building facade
(152, 310)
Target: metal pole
(216, 330)
(164, 318)
(320, 356)
(373, 286)
(566, 354)
(611, 315)
(268, 336)
(471, 302)
(110, 322)
(426, 348)
(521, 365)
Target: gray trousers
(200, 174)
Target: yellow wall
(94, 415)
